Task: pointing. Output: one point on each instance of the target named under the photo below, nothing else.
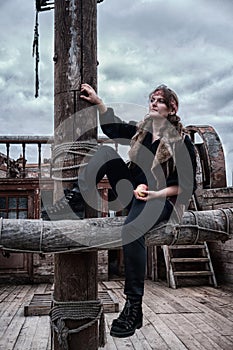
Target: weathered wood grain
(75, 275)
(183, 318)
(105, 233)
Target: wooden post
(75, 63)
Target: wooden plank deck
(191, 318)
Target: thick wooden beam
(105, 233)
(75, 63)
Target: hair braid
(174, 119)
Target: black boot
(128, 321)
(69, 207)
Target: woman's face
(157, 105)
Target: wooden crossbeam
(105, 233)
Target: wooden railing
(17, 167)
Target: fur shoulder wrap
(164, 161)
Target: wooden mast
(75, 62)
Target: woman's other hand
(143, 194)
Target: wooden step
(191, 246)
(189, 260)
(109, 300)
(188, 254)
(41, 303)
(192, 273)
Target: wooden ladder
(188, 261)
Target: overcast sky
(186, 44)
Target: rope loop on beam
(75, 148)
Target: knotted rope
(77, 148)
(35, 52)
(91, 310)
(177, 229)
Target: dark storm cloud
(20, 113)
(186, 44)
(178, 42)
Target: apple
(141, 188)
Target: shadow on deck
(185, 318)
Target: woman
(155, 186)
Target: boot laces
(130, 314)
(131, 309)
(126, 310)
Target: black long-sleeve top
(122, 132)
